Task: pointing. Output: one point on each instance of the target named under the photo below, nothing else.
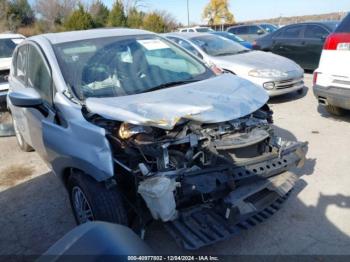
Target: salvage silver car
(140, 130)
(276, 74)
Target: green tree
(135, 18)
(217, 11)
(99, 13)
(117, 16)
(79, 20)
(155, 22)
(19, 13)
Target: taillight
(338, 41)
(314, 80)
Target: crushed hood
(214, 100)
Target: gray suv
(138, 130)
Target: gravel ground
(35, 211)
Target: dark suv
(301, 42)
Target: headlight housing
(267, 73)
(127, 130)
(269, 85)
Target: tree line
(65, 15)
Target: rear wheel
(334, 110)
(92, 201)
(23, 145)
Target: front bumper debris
(262, 189)
(205, 226)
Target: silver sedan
(276, 74)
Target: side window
(254, 29)
(292, 32)
(232, 30)
(21, 63)
(191, 30)
(39, 76)
(188, 47)
(315, 31)
(242, 30)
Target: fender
(78, 145)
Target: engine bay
(196, 165)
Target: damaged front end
(206, 181)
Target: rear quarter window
(344, 26)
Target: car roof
(10, 35)
(187, 36)
(236, 26)
(63, 37)
(329, 24)
(194, 27)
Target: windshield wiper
(170, 84)
(243, 51)
(233, 53)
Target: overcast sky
(249, 9)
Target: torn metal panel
(218, 99)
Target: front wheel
(23, 145)
(92, 201)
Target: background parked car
(248, 32)
(332, 78)
(8, 43)
(300, 42)
(270, 28)
(198, 29)
(234, 38)
(276, 74)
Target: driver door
(37, 76)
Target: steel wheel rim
(81, 206)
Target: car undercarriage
(206, 182)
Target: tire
(101, 204)
(300, 91)
(334, 110)
(23, 145)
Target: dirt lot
(35, 211)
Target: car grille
(283, 84)
(4, 74)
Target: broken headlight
(128, 130)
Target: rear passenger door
(289, 43)
(18, 81)
(314, 37)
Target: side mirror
(27, 97)
(260, 32)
